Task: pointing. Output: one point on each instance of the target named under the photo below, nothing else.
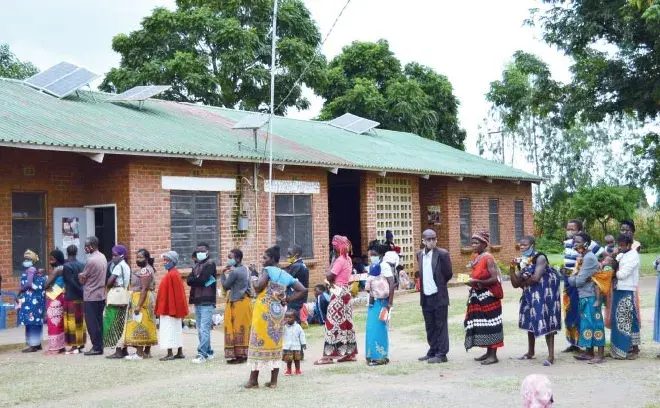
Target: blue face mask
(375, 260)
(529, 252)
(201, 256)
(231, 262)
(169, 266)
(27, 264)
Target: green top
(85, 122)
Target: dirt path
(35, 380)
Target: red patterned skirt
(483, 320)
(339, 331)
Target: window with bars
(494, 221)
(465, 214)
(519, 219)
(28, 227)
(293, 223)
(194, 218)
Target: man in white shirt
(435, 271)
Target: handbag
(118, 296)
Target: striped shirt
(570, 254)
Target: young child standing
(294, 343)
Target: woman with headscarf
(171, 307)
(340, 342)
(267, 332)
(483, 319)
(55, 304)
(114, 317)
(625, 337)
(140, 329)
(238, 311)
(32, 302)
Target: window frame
(194, 240)
(461, 223)
(518, 236)
(293, 216)
(494, 229)
(16, 267)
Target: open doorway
(105, 227)
(344, 207)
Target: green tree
(604, 203)
(218, 52)
(12, 67)
(366, 79)
(615, 46)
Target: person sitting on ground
(320, 305)
(404, 279)
(294, 343)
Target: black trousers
(437, 332)
(94, 322)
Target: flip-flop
(347, 359)
(323, 361)
(179, 357)
(547, 363)
(525, 357)
(596, 361)
(249, 386)
(167, 358)
(583, 357)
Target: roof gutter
(199, 158)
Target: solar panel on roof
(252, 121)
(70, 83)
(139, 93)
(51, 75)
(62, 79)
(353, 123)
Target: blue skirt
(625, 324)
(376, 335)
(571, 313)
(592, 326)
(34, 334)
(656, 320)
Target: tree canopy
(218, 52)
(367, 79)
(12, 67)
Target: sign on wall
(292, 187)
(198, 183)
(433, 214)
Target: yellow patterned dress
(141, 330)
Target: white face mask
(571, 234)
(429, 244)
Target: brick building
(167, 175)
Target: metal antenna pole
(270, 123)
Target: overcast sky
(469, 42)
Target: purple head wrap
(120, 250)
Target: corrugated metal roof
(85, 122)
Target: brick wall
(446, 192)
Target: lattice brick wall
(394, 212)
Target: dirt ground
(77, 381)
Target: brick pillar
(367, 208)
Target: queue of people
(118, 306)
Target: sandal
(547, 363)
(583, 357)
(524, 357)
(249, 386)
(596, 361)
(323, 361)
(347, 359)
(179, 357)
(167, 358)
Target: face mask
(169, 266)
(375, 260)
(570, 234)
(117, 259)
(579, 248)
(607, 268)
(528, 252)
(27, 264)
(141, 264)
(231, 262)
(201, 256)
(429, 244)
(53, 264)
(291, 259)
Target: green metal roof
(86, 123)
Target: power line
(309, 64)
